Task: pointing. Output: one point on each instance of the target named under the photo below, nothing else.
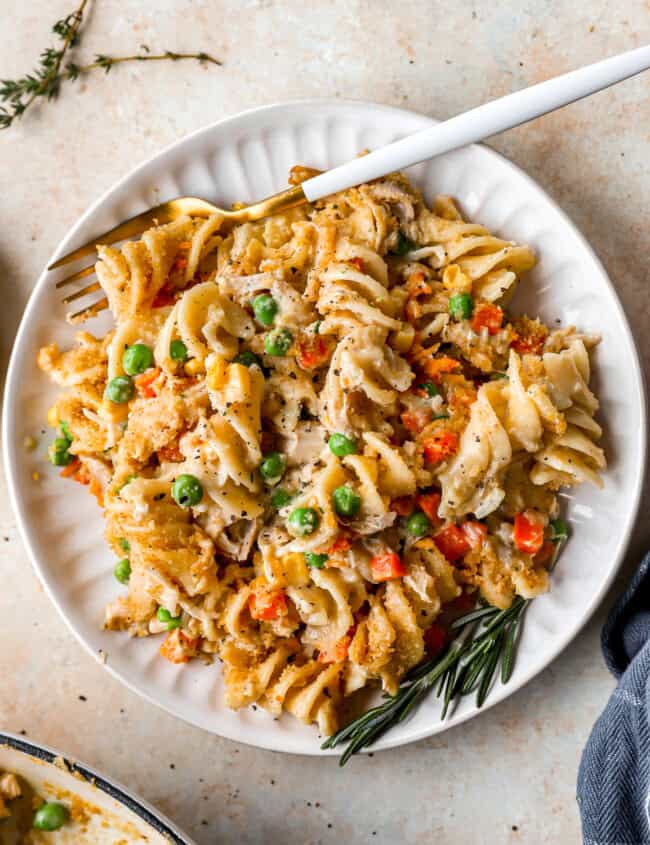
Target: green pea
(124, 544)
(430, 388)
(403, 244)
(58, 452)
(164, 616)
(281, 498)
(340, 445)
(178, 351)
(278, 342)
(247, 358)
(136, 359)
(122, 571)
(303, 521)
(461, 306)
(559, 530)
(50, 816)
(187, 491)
(346, 501)
(272, 467)
(120, 389)
(265, 309)
(417, 524)
(65, 430)
(315, 561)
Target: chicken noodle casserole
(312, 434)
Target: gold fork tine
(86, 313)
(75, 277)
(163, 213)
(129, 229)
(79, 293)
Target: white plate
(247, 157)
(113, 813)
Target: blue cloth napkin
(614, 775)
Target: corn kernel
(194, 367)
(455, 280)
(294, 570)
(53, 417)
(424, 543)
(217, 373)
(36, 476)
(115, 413)
(29, 443)
(402, 339)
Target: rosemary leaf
(490, 666)
(473, 616)
(507, 660)
(472, 675)
(449, 690)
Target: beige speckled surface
(508, 776)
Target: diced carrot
(435, 639)
(475, 533)
(144, 383)
(178, 647)
(403, 506)
(440, 444)
(96, 489)
(313, 351)
(462, 396)
(170, 453)
(343, 543)
(529, 532)
(358, 263)
(340, 650)
(436, 367)
(527, 345)
(72, 468)
(268, 605)
(165, 296)
(82, 476)
(171, 651)
(179, 264)
(416, 284)
(429, 504)
(415, 421)
(488, 316)
(386, 566)
(452, 542)
(185, 245)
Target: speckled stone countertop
(508, 776)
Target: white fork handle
(481, 122)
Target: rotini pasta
(317, 436)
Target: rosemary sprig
(487, 636)
(17, 95)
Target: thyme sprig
(486, 637)
(17, 95)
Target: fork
(474, 125)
